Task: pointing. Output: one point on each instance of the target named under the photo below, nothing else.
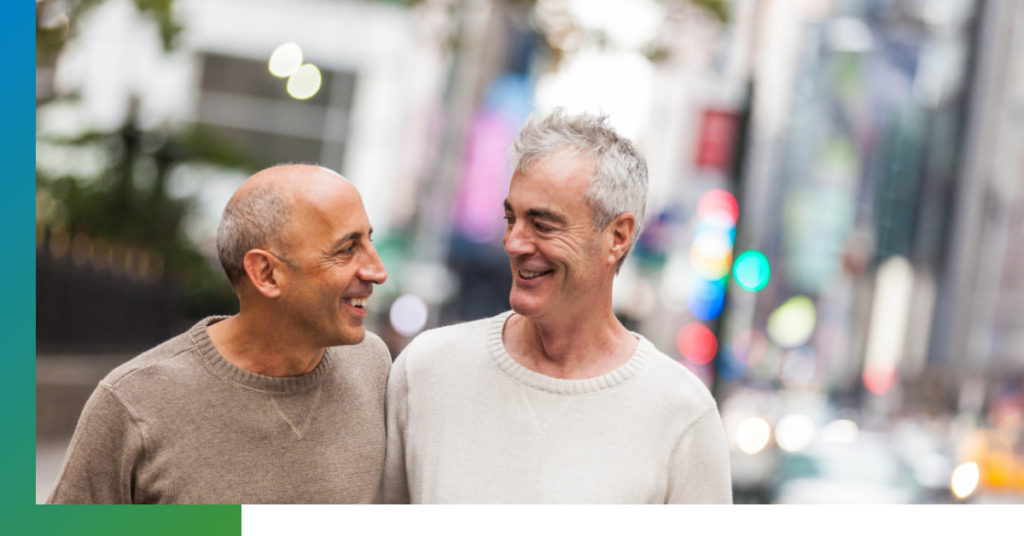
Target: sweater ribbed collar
(224, 369)
(536, 380)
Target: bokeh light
(285, 60)
(711, 256)
(840, 431)
(711, 252)
(304, 82)
(696, 343)
(718, 205)
(705, 299)
(794, 432)
(792, 324)
(965, 479)
(751, 270)
(879, 377)
(408, 314)
(753, 435)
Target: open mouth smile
(528, 274)
(357, 302)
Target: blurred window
(240, 100)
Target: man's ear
(261, 267)
(620, 234)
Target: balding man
(280, 403)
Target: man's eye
(348, 250)
(541, 227)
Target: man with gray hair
(556, 401)
(280, 403)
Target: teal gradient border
(17, 329)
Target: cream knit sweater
(179, 424)
(468, 424)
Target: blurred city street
(834, 240)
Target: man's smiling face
(328, 239)
(554, 251)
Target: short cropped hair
(253, 220)
(619, 184)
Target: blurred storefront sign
(717, 139)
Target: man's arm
(699, 465)
(101, 458)
(394, 486)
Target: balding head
(259, 211)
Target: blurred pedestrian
(556, 401)
(280, 403)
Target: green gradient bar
(17, 311)
(136, 520)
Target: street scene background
(835, 234)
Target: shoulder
(367, 358)
(371, 351)
(683, 389)
(144, 381)
(165, 369)
(372, 346)
(163, 359)
(451, 351)
(450, 340)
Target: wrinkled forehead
(555, 188)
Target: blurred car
(752, 459)
(751, 418)
(924, 446)
(999, 456)
(861, 471)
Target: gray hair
(619, 184)
(251, 220)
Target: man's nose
(517, 240)
(373, 269)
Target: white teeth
(358, 302)
(527, 274)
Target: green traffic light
(751, 270)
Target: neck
(570, 348)
(254, 344)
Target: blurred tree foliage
(128, 202)
(56, 22)
(718, 8)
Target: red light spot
(718, 203)
(879, 377)
(696, 343)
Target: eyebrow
(540, 213)
(351, 236)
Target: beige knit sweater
(180, 424)
(469, 424)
